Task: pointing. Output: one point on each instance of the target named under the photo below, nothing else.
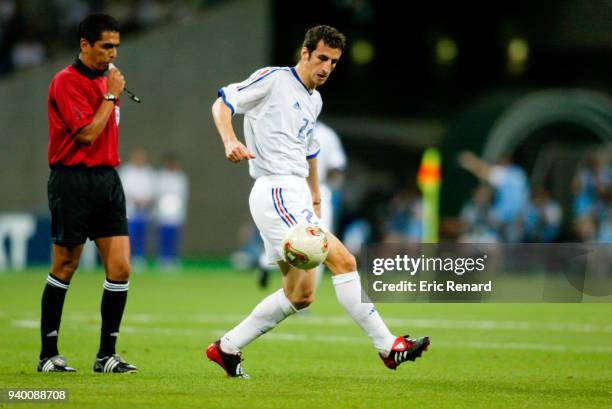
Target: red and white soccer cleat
(229, 362)
(405, 349)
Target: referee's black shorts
(85, 203)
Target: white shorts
(277, 203)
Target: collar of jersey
(297, 77)
(85, 70)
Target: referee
(85, 194)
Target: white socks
(276, 307)
(269, 312)
(348, 291)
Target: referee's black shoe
(56, 363)
(113, 364)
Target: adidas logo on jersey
(297, 106)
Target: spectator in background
(30, 31)
(404, 217)
(141, 14)
(601, 265)
(604, 217)
(249, 253)
(592, 180)
(172, 193)
(69, 13)
(29, 51)
(477, 221)
(542, 218)
(14, 23)
(138, 179)
(357, 234)
(511, 191)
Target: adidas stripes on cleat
(405, 349)
(229, 362)
(56, 363)
(113, 364)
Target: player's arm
(313, 184)
(235, 151)
(115, 85)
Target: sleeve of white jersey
(313, 148)
(246, 95)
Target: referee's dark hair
(93, 25)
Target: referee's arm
(88, 134)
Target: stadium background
(528, 79)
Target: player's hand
(235, 152)
(115, 82)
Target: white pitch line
(337, 320)
(342, 320)
(291, 337)
(442, 344)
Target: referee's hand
(115, 82)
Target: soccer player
(139, 181)
(281, 105)
(331, 162)
(86, 198)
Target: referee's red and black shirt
(75, 94)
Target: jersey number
(309, 215)
(305, 130)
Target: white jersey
(280, 116)
(139, 186)
(172, 195)
(332, 154)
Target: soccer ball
(305, 246)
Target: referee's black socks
(51, 314)
(113, 304)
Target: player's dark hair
(331, 37)
(93, 25)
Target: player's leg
(346, 282)
(296, 294)
(393, 350)
(299, 285)
(64, 264)
(115, 255)
(327, 220)
(274, 209)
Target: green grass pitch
(481, 356)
